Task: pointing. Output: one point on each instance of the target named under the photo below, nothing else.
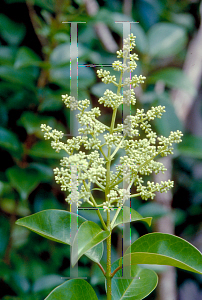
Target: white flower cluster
(118, 196)
(129, 97)
(106, 78)
(111, 99)
(90, 169)
(149, 190)
(74, 195)
(70, 102)
(92, 125)
(112, 139)
(55, 135)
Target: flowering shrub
(81, 173)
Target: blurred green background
(34, 72)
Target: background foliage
(34, 72)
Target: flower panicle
(81, 170)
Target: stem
(108, 272)
(117, 148)
(116, 215)
(101, 268)
(108, 275)
(116, 270)
(95, 205)
(119, 181)
(100, 185)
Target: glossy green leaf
(19, 77)
(60, 55)
(45, 171)
(153, 209)
(26, 57)
(166, 39)
(54, 225)
(7, 55)
(89, 235)
(74, 289)
(19, 283)
(11, 32)
(46, 4)
(174, 78)
(9, 140)
(44, 149)
(165, 249)
(51, 101)
(99, 88)
(46, 282)
(184, 19)
(169, 122)
(128, 214)
(24, 180)
(59, 75)
(191, 146)
(139, 284)
(141, 38)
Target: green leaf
(165, 249)
(130, 215)
(30, 121)
(191, 146)
(59, 75)
(54, 225)
(7, 55)
(46, 282)
(20, 77)
(46, 4)
(61, 55)
(9, 140)
(88, 236)
(24, 180)
(51, 101)
(153, 209)
(136, 29)
(169, 122)
(166, 39)
(12, 32)
(183, 19)
(44, 149)
(26, 57)
(74, 289)
(174, 78)
(45, 171)
(144, 281)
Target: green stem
(116, 215)
(117, 148)
(108, 272)
(119, 181)
(95, 205)
(101, 268)
(116, 270)
(100, 185)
